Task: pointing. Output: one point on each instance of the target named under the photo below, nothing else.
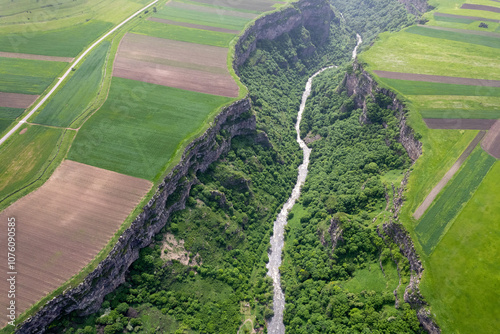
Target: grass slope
(27, 76)
(183, 34)
(462, 275)
(141, 126)
(80, 90)
(452, 199)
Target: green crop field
(452, 199)
(23, 156)
(66, 42)
(397, 52)
(444, 102)
(200, 17)
(140, 127)
(493, 42)
(78, 93)
(408, 87)
(183, 34)
(453, 19)
(460, 113)
(219, 6)
(27, 76)
(462, 274)
(7, 116)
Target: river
(275, 325)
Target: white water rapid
(275, 325)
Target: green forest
(333, 249)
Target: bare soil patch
(491, 142)
(463, 31)
(15, 100)
(149, 48)
(23, 131)
(459, 123)
(447, 177)
(173, 249)
(191, 25)
(177, 77)
(476, 18)
(35, 57)
(437, 79)
(63, 225)
(481, 7)
(211, 10)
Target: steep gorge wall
(315, 16)
(361, 86)
(415, 7)
(172, 193)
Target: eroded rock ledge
(361, 86)
(172, 193)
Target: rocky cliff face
(315, 16)
(360, 85)
(172, 193)
(415, 7)
(87, 297)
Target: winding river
(275, 325)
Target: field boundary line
(437, 78)
(61, 79)
(447, 177)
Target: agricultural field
(456, 244)
(184, 34)
(408, 87)
(62, 29)
(141, 126)
(64, 224)
(473, 37)
(491, 143)
(435, 56)
(8, 115)
(461, 277)
(221, 20)
(194, 67)
(77, 94)
(26, 76)
(24, 156)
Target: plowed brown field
(14, 100)
(491, 142)
(437, 79)
(481, 7)
(459, 123)
(189, 66)
(63, 225)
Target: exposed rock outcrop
(315, 16)
(170, 196)
(172, 193)
(361, 86)
(415, 7)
